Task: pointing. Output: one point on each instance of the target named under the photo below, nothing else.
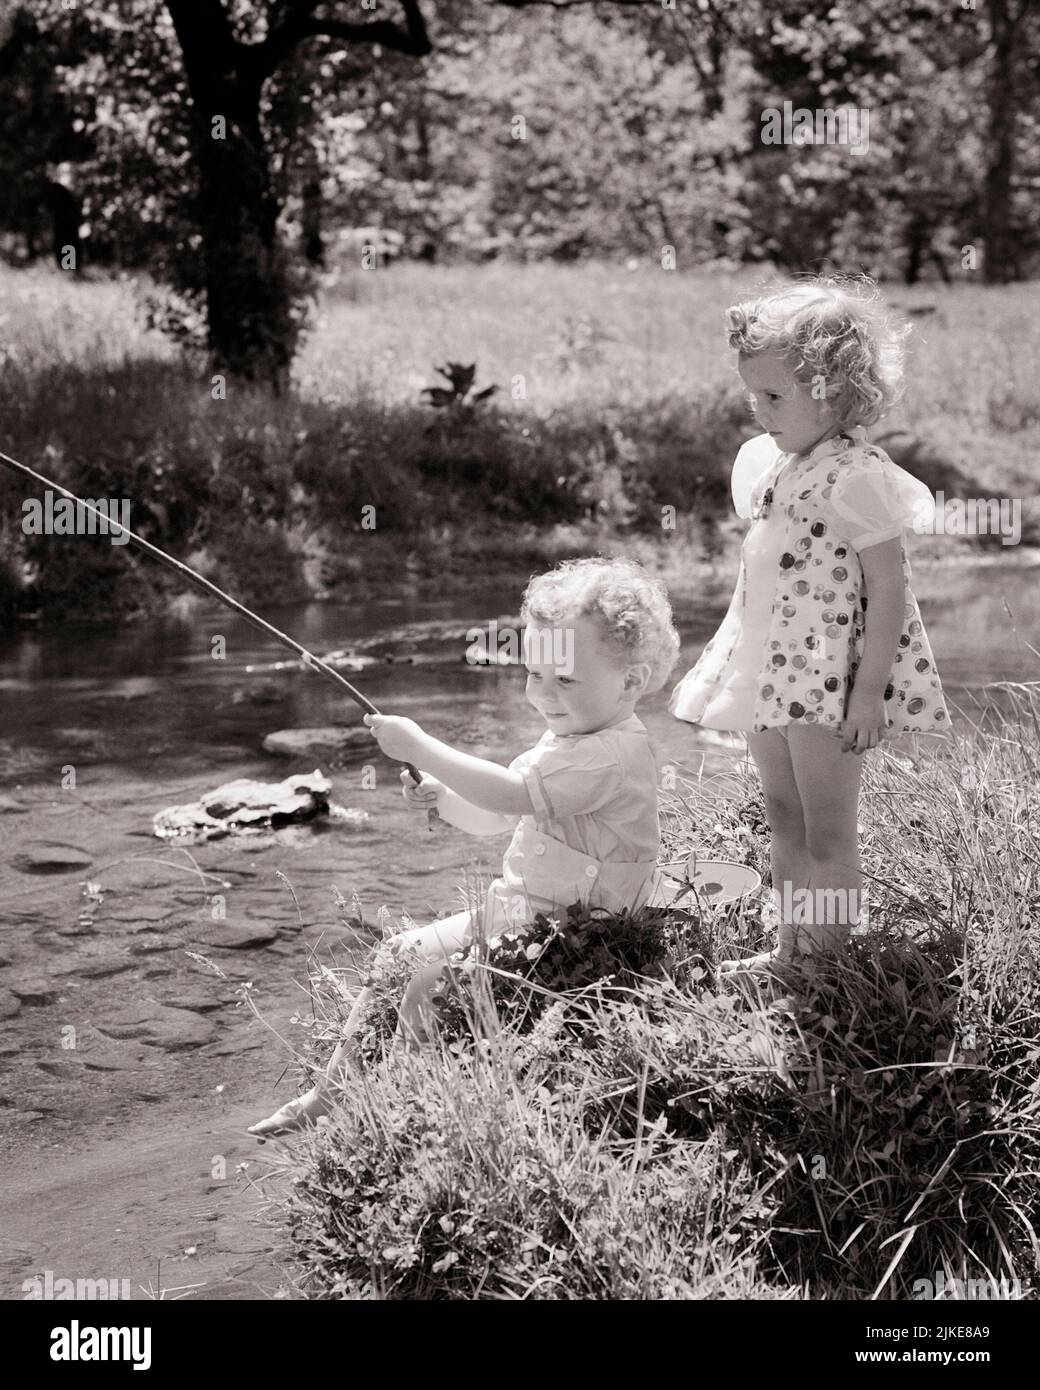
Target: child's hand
(865, 723)
(398, 737)
(423, 795)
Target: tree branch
(299, 22)
(23, 35)
(204, 34)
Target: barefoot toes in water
(297, 1114)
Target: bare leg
(433, 944)
(828, 785)
(316, 1102)
(788, 855)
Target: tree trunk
(312, 240)
(915, 239)
(66, 213)
(251, 332)
(1000, 261)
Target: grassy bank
(626, 1130)
(617, 399)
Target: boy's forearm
(486, 785)
(457, 811)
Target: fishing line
(186, 572)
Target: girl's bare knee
(828, 839)
(785, 818)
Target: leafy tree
(40, 128)
(953, 101)
(223, 144)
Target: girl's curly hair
(631, 606)
(838, 329)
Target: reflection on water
(150, 700)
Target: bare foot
(764, 980)
(764, 964)
(799, 945)
(297, 1114)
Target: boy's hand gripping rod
(186, 572)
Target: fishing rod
(207, 587)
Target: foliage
(458, 402)
(533, 133)
(590, 458)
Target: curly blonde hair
(837, 327)
(631, 607)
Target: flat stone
(65, 1067)
(232, 1049)
(96, 968)
(130, 1057)
(327, 743)
(52, 859)
(200, 1001)
(247, 805)
(148, 943)
(260, 693)
(33, 989)
(9, 1005)
(102, 969)
(136, 913)
(241, 934)
(10, 807)
(173, 1030)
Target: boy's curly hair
(631, 606)
(837, 328)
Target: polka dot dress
(793, 638)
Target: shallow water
(147, 707)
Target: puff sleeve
(572, 778)
(753, 461)
(874, 504)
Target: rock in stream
(247, 805)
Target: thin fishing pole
(207, 587)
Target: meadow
(616, 398)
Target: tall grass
(616, 1126)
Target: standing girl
(800, 664)
(582, 803)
